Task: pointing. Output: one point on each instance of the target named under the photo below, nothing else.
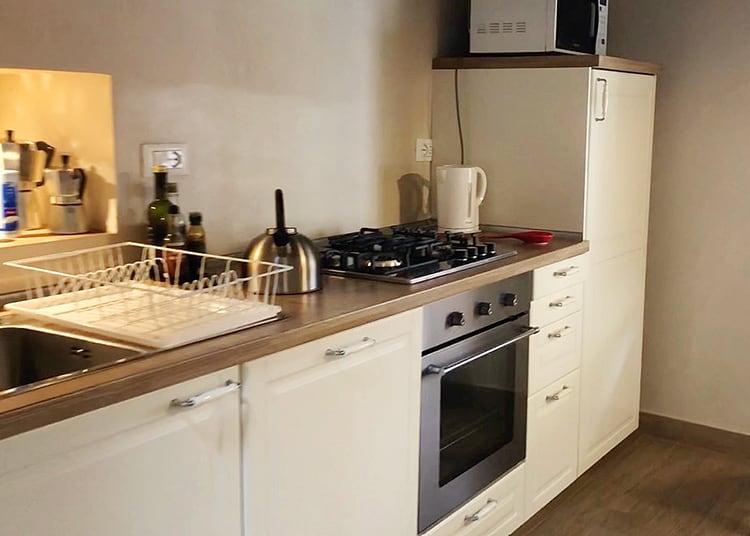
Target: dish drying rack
(154, 296)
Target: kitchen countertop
(343, 303)
(535, 61)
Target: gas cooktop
(405, 254)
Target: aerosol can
(10, 160)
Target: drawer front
(554, 352)
(552, 442)
(353, 345)
(557, 276)
(556, 306)
(497, 511)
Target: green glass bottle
(158, 209)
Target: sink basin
(29, 356)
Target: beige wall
(322, 98)
(696, 359)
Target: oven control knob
(484, 308)
(508, 299)
(456, 318)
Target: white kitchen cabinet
(552, 441)
(569, 149)
(331, 441)
(137, 467)
(496, 511)
(612, 346)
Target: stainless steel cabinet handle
(562, 393)
(562, 302)
(352, 348)
(560, 333)
(605, 99)
(208, 396)
(434, 369)
(565, 272)
(482, 513)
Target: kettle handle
(80, 174)
(482, 186)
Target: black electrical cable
(458, 115)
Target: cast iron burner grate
(405, 254)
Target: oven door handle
(528, 331)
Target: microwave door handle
(442, 371)
(594, 21)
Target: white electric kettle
(460, 190)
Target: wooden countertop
(343, 303)
(610, 63)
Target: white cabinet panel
(554, 351)
(621, 124)
(560, 275)
(497, 511)
(137, 467)
(557, 305)
(331, 443)
(611, 355)
(552, 442)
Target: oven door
(473, 424)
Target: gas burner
(405, 254)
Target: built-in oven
(474, 391)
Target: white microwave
(528, 26)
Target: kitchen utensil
(66, 187)
(284, 245)
(460, 191)
(540, 238)
(30, 161)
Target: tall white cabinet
(569, 149)
(331, 434)
(142, 467)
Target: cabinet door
(137, 467)
(552, 442)
(621, 122)
(611, 354)
(331, 442)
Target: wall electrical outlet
(424, 150)
(173, 156)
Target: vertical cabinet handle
(562, 393)
(565, 272)
(208, 396)
(605, 99)
(352, 348)
(562, 302)
(482, 513)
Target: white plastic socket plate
(424, 150)
(174, 156)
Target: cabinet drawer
(557, 305)
(554, 352)
(557, 276)
(551, 442)
(498, 510)
(353, 345)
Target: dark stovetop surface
(405, 254)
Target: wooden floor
(651, 485)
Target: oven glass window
(477, 407)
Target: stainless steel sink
(32, 356)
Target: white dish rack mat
(152, 296)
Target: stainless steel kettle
(284, 245)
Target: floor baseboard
(695, 434)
